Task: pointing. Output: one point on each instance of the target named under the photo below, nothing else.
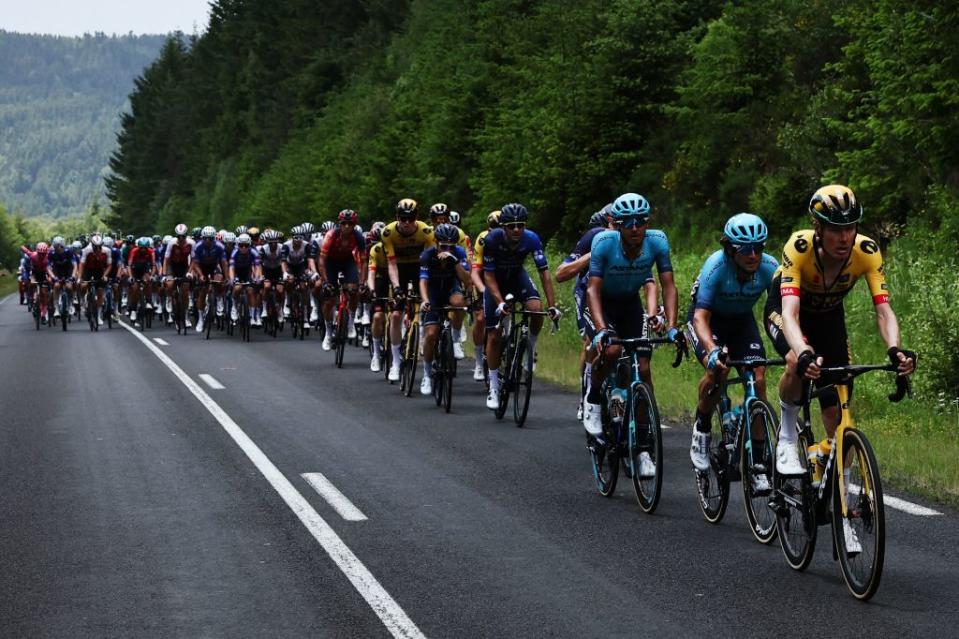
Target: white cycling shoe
(853, 547)
(394, 373)
(787, 459)
(647, 468)
(328, 342)
(593, 419)
(699, 450)
(492, 400)
(458, 351)
(426, 386)
(478, 375)
(375, 364)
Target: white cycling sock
(788, 412)
(395, 350)
(377, 347)
(329, 328)
(588, 378)
(427, 368)
(457, 334)
(494, 379)
(478, 354)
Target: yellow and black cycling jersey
(377, 260)
(801, 273)
(478, 250)
(406, 249)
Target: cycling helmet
(270, 235)
(254, 231)
(297, 233)
(167, 238)
(492, 220)
(243, 238)
(376, 233)
(439, 209)
(197, 232)
(229, 238)
(180, 229)
(76, 246)
(240, 230)
(43, 248)
(58, 241)
(359, 228)
(454, 218)
(406, 208)
(208, 233)
(347, 215)
(745, 228)
(156, 239)
(446, 234)
(378, 225)
(108, 242)
(835, 204)
(129, 239)
(600, 219)
(628, 205)
(513, 212)
(327, 226)
(144, 242)
(308, 228)
(96, 240)
(279, 235)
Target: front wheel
(522, 374)
(411, 347)
(864, 518)
(645, 438)
(505, 382)
(794, 504)
(340, 337)
(756, 458)
(713, 484)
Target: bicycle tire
(64, 314)
(643, 403)
(862, 571)
(448, 374)
(522, 373)
(713, 485)
(36, 315)
(796, 523)
(605, 459)
(439, 367)
(387, 352)
(410, 356)
(505, 383)
(761, 518)
(208, 327)
(339, 338)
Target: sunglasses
(746, 249)
(347, 223)
(514, 225)
(632, 221)
(406, 220)
(446, 247)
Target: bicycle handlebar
(850, 372)
(637, 342)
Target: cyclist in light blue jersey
(720, 321)
(620, 265)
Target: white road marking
(211, 381)
(161, 342)
(909, 507)
(332, 494)
(393, 617)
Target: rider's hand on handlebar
(425, 306)
(655, 323)
(905, 360)
(501, 309)
(554, 313)
(602, 337)
(717, 359)
(808, 364)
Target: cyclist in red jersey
(141, 261)
(176, 264)
(343, 251)
(39, 261)
(95, 264)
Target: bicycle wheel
(449, 373)
(605, 459)
(410, 355)
(505, 381)
(645, 436)
(36, 314)
(522, 373)
(64, 310)
(339, 338)
(440, 366)
(865, 516)
(713, 484)
(208, 327)
(386, 356)
(756, 457)
(794, 501)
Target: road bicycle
(444, 361)
(631, 424)
(63, 303)
(271, 319)
(299, 298)
(179, 308)
(518, 357)
(844, 490)
(740, 453)
(91, 304)
(341, 321)
(41, 304)
(410, 342)
(243, 313)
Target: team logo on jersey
(787, 279)
(386, 232)
(801, 244)
(868, 247)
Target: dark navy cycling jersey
(505, 259)
(621, 276)
(442, 273)
(718, 289)
(583, 246)
(209, 253)
(63, 263)
(241, 261)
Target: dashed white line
(161, 342)
(341, 504)
(393, 617)
(211, 381)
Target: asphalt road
(132, 508)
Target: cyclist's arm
(424, 290)
(791, 329)
(594, 299)
(701, 319)
(322, 270)
(489, 278)
(670, 297)
(568, 270)
(547, 280)
(476, 276)
(394, 272)
(652, 297)
(888, 325)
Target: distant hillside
(60, 105)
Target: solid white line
(385, 607)
(332, 494)
(211, 381)
(909, 507)
(6, 298)
(161, 342)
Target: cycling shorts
(347, 267)
(625, 315)
(381, 290)
(273, 274)
(738, 333)
(519, 285)
(439, 297)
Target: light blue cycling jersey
(623, 277)
(718, 289)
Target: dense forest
(60, 105)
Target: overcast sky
(76, 17)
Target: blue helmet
(446, 234)
(513, 212)
(601, 217)
(629, 204)
(746, 228)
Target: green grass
(8, 283)
(916, 441)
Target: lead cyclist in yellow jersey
(403, 240)
(804, 311)
(476, 277)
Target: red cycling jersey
(142, 256)
(338, 247)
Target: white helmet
(108, 242)
(244, 238)
(96, 240)
(229, 237)
(181, 229)
(208, 232)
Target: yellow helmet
(406, 207)
(835, 204)
(492, 220)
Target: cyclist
(805, 317)
(95, 263)
(39, 264)
(404, 241)
(141, 262)
(298, 262)
(114, 272)
(176, 265)
(209, 265)
(62, 270)
(440, 214)
(343, 251)
(504, 251)
(444, 270)
(244, 269)
(620, 265)
(271, 265)
(720, 323)
(576, 264)
(476, 278)
(377, 281)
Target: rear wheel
(505, 381)
(794, 503)
(864, 515)
(339, 338)
(756, 458)
(713, 484)
(522, 373)
(645, 436)
(411, 347)
(605, 458)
